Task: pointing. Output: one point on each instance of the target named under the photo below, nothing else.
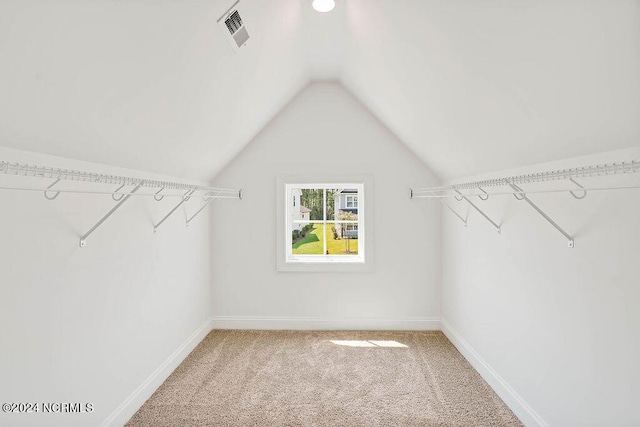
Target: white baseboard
(310, 323)
(130, 406)
(513, 400)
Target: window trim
(327, 267)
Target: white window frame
(291, 258)
(353, 200)
(280, 235)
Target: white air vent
(234, 27)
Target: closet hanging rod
(21, 169)
(564, 174)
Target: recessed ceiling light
(323, 5)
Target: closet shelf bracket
(83, 239)
(464, 220)
(199, 210)
(209, 198)
(523, 196)
(183, 199)
(496, 226)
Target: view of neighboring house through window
(324, 223)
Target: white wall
(560, 326)
(92, 324)
(326, 132)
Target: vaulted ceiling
(470, 86)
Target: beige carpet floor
(327, 378)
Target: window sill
(324, 259)
(324, 267)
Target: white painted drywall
(480, 86)
(150, 85)
(326, 132)
(560, 326)
(92, 324)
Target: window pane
(311, 200)
(343, 205)
(332, 199)
(308, 239)
(342, 238)
(298, 211)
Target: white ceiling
(476, 86)
(148, 84)
(471, 86)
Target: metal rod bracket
(116, 198)
(157, 197)
(570, 240)
(496, 226)
(183, 199)
(584, 192)
(464, 220)
(211, 199)
(486, 195)
(49, 187)
(83, 239)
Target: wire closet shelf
(59, 174)
(496, 186)
(478, 188)
(181, 190)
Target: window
(326, 225)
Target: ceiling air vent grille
(233, 22)
(234, 27)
